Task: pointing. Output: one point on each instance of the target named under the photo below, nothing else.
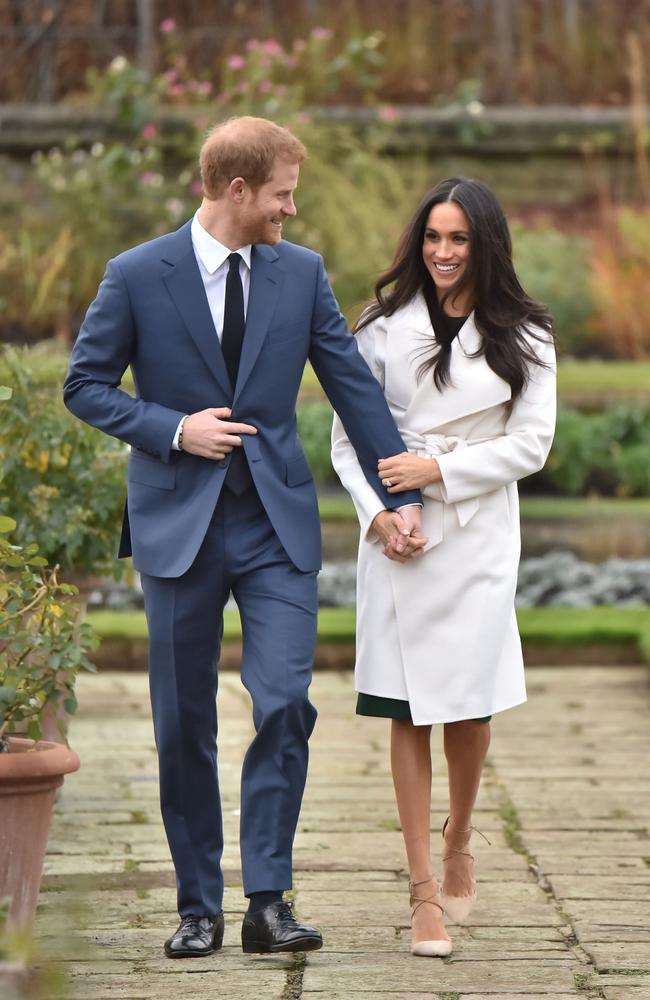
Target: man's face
(263, 211)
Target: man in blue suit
(217, 321)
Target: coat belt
(430, 446)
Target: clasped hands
(401, 531)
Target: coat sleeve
(354, 392)
(344, 458)
(523, 447)
(104, 349)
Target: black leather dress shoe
(195, 937)
(275, 928)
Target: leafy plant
(63, 480)
(604, 453)
(42, 645)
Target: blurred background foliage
(70, 208)
(82, 204)
(529, 51)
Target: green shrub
(602, 453)
(61, 479)
(554, 268)
(315, 428)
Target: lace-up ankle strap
(470, 830)
(416, 901)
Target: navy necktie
(238, 477)
(233, 319)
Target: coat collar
(475, 387)
(185, 286)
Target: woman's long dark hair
(503, 312)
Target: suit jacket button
(222, 464)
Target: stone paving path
(564, 901)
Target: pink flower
(204, 88)
(272, 47)
(196, 187)
(387, 113)
(252, 44)
(265, 87)
(322, 34)
(170, 75)
(177, 89)
(149, 131)
(167, 26)
(299, 45)
(236, 62)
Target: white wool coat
(440, 631)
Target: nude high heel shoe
(427, 949)
(458, 908)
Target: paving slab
(564, 890)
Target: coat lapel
(266, 282)
(474, 386)
(185, 286)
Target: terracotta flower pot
(29, 777)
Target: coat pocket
(298, 472)
(150, 472)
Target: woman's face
(446, 246)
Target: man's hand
(407, 472)
(395, 534)
(210, 434)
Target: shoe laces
(284, 912)
(190, 924)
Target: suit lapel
(185, 286)
(266, 282)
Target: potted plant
(42, 648)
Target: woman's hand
(401, 543)
(408, 472)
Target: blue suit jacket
(151, 312)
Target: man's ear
(237, 189)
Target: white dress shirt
(212, 259)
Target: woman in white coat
(467, 364)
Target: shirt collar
(212, 253)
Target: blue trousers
(278, 606)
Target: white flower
(118, 65)
(97, 149)
(475, 108)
